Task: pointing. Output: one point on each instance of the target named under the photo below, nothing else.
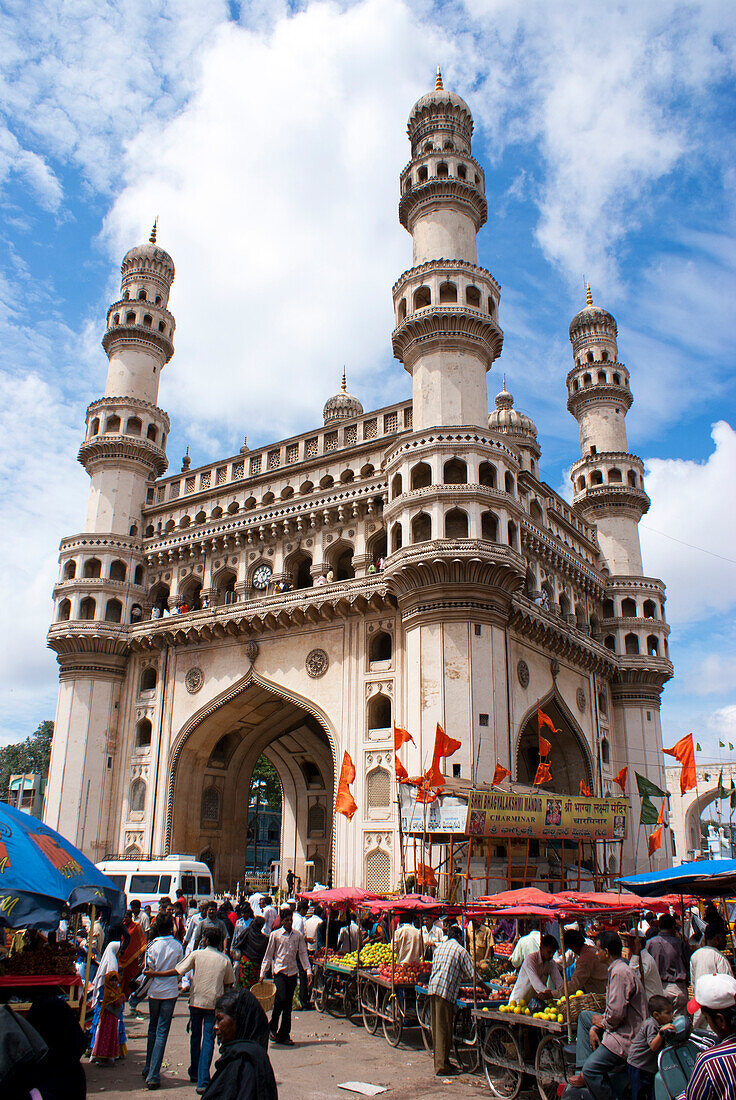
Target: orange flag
(544, 746)
(401, 772)
(345, 803)
(545, 720)
(684, 751)
(500, 774)
(655, 841)
(621, 779)
(426, 876)
(443, 746)
(426, 792)
(543, 775)
(401, 737)
(660, 819)
(585, 790)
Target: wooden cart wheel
(369, 1005)
(350, 1001)
(334, 995)
(393, 1019)
(549, 1066)
(424, 1015)
(502, 1062)
(465, 1041)
(320, 993)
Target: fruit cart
(513, 1044)
(465, 1028)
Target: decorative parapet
(439, 325)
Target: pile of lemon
(372, 955)
(516, 1008)
(552, 1012)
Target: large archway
(569, 758)
(212, 764)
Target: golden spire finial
(152, 238)
(503, 387)
(344, 381)
(588, 295)
(438, 86)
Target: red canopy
(529, 895)
(412, 903)
(340, 895)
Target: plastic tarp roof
(340, 895)
(529, 895)
(708, 878)
(411, 903)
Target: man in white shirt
(285, 947)
(349, 937)
(299, 916)
(269, 913)
(524, 946)
(255, 904)
(709, 960)
(535, 971)
(299, 924)
(407, 941)
(164, 952)
(140, 916)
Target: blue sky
(269, 138)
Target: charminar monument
(404, 564)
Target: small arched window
(65, 611)
(456, 524)
(602, 702)
(379, 712)
(610, 643)
(402, 309)
(587, 379)
(421, 475)
(650, 609)
(601, 376)
(137, 796)
(617, 379)
(138, 575)
(316, 820)
(596, 478)
(455, 472)
(631, 478)
(615, 476)
(609, 610)
(462, 172)
(92, 568)
(149, 531)
(442, 169)
(509, 484)
(113, 611)
(396, 486)
(112, 424)
(604, 356)
(210, 806)
(148, 679)
(653, 646)
(448, 293)
(631, 644)
(143, 732)
(472, 297)
(489, 527)
(421, 528)
(487, 475)
(605, 752)
(397, 538)
(589, 356)
(535, 511)
(134, 426)
(141, 296)
(151, 432)
(581, 484)
(381, 646)
(513, 535)
(148, 320)
(422, 297)
(130, 318)
(118, 571)
(94, 427)
(70, 571)
(628, 608)
(378, 789)
(423, 174)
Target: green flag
(733, 796)
(730, 746)
(722, 791)
(647, 787)
(649, 813)
(698, 747)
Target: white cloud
(723, 722)
(691, 509)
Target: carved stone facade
(400, 565)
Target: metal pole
(83, 1009)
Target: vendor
(407, 941)
(590, 972)
(537, 970)
(480, 941)
(525, 946)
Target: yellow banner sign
(546, 816)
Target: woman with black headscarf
(243, 1070)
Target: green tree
(266, 778)
(31, 755)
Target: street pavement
(326, 1052)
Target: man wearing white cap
(714, 1075)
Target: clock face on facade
(262, 576)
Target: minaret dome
(343, 406)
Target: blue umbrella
(706, 877)
(41, 874)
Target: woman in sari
(107, 1047)
(131, 955)
(108, 963)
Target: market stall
(335, 978)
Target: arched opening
(113, 611)
(653, 645)
(610, 642)
(456, 524)
(489, 527)
(151, 433)
(421, 476)
(614, 476)
(423, 174)
(300, 569)
(421, 528)
(224, 587)
(631, 478)
(605, 752)
(513, 535)
(587, 379)
(377, 549)
(442, 169)
(397, 538)
(141, 296)
(191, 594)
(448, 293)
(509, 483)
(609, 611)
(596, 478)
(112, 424)
(343, 566)
(589, 356)
(137, 796)
(617, 379)
(601, 376)
(118, 571)
(92, 568)
(396, 486)
(347, 476)
(159, 599)
(87, 608)
(143, 733)
(535, 511)
(379, 712)
(569, 760)
(564, 605)
(422, 297)
(631, 644)
(650, 609)
(270, 762)
(381, 646)
(462, 172)
(70, 571)
(148, 679)
(138, 575)
(134, 426)
(94, 427)
(378, 789)
(402, 310)
(455, 472)
(628, 608)
(65, 612)
(472, 297)
(487, 475)
(581, 484)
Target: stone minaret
(453, 514)
(101, 581)
(608, 484)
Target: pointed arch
(570, 755)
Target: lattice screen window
(160, 491)
(211, 805)
(173, 490)
(370, 429)
(351, 435)
(379, 789)
(310, 448)
(189, 485)
(238, 470)
(330, 441)
(391, 422)
(378, 872)
(292, 453)
(316, 820)
(274, 460)
(408, 418)
(221, 475)
(204, 480)
(255, 465)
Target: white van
(151, 879)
